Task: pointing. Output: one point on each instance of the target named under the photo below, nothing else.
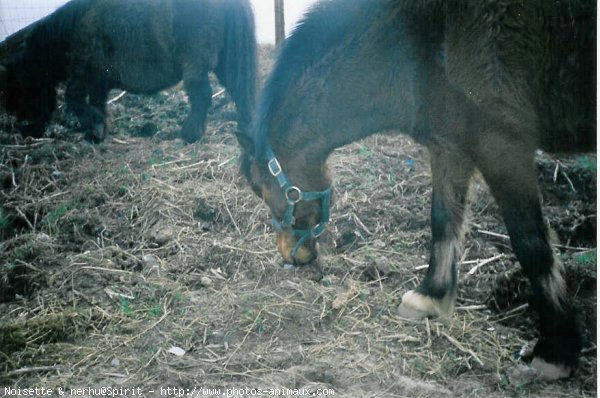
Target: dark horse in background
(141, 46)
(481, 84)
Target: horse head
(297, 193)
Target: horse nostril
(286, 243)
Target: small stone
(150, 260)
(378, 243)
(115, 362)
(206, 281)
(162, 235)
(108, 263)
(177, 351)
(42, 237)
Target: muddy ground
(144, 262)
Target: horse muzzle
(301, 255)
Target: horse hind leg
(40, 105)
(200, 96)
(436, 295)
(508, 168)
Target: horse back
(569, 105)
(532, 64)
(131, 42)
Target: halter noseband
(294, 195)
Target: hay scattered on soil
(113, 254)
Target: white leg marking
(445, 252)
(417, 306)
(549, 371)
(554, 284)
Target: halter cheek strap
(294, 195)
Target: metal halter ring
(296, 192)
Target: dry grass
(112, 254)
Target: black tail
(237, 69)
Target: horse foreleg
(92, 115)
(98, 130)
(514, 186)
(76, 99)
(200, 97)
(435, 296)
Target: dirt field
(144, 262)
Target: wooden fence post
(279, 22)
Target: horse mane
(321, 29)
(326, 25)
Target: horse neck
(363, 85)
(310, 136)
(312, 125)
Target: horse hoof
(550, 371)
(190, 135)
(538, 370)
(32, 130)
(100, 132)
(418, 306)
(97, 133)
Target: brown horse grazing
(137, 45)
(481, 84)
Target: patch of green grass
(151, 302)
(180, 301)
(43, 152)
(365, 151)
(586, 259)
(159, 156)
(260, 327)
(123, 170)
(25, 252)
(56, 214)
(155, 311)
(587, 162)
(125, 306)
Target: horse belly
(146, 77)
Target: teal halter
(294, 195)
